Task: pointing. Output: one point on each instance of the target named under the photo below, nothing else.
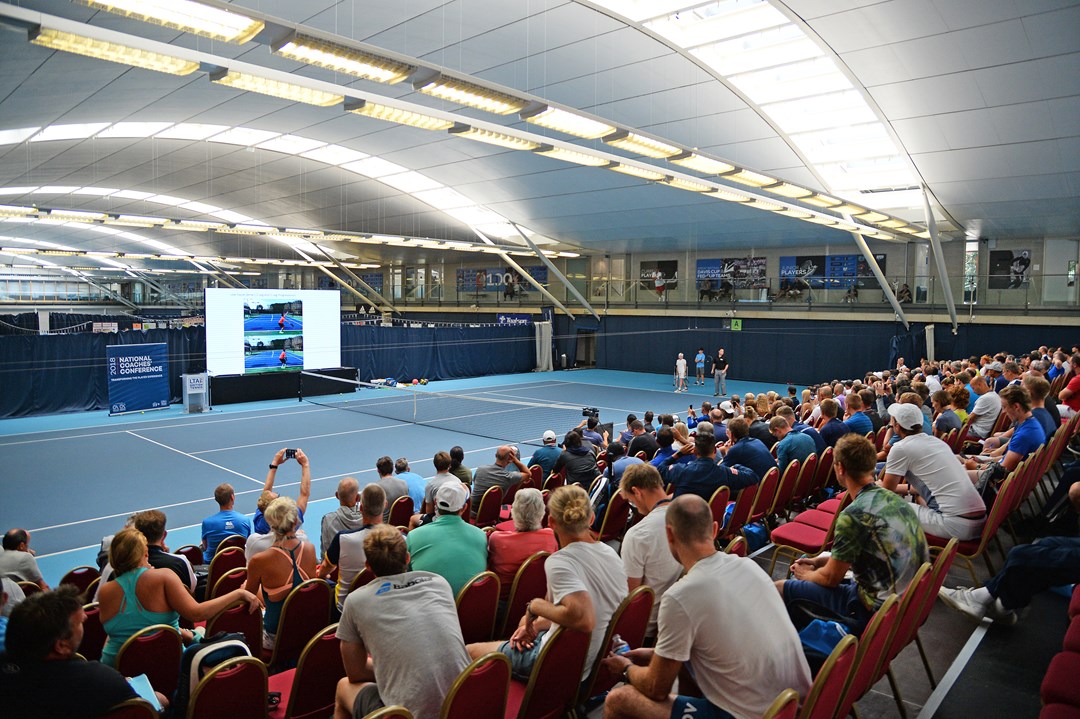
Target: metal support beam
(885, 286)
(379, 299)
(552, 268)
(525, 275)
(161, 289)
(939, 257)
(218, 274)
(109, 293)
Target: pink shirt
(507, 551)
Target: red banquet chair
(480, 690)
(718, 504)
(556, 676)
(233, 540)
(192, 553)
(235, 689)
(530, 582)
(81, 578)
(132, 709)
(93, 634)
(828, 687)
(873, 644)
(154, 651)
(740, 514)
(487, 513)
(224, 561)
(401, 511)
(230, 580)
(305, 612)
(308, 690)
(630, 622)
(478, 607)
(237, 618)
(785, 706)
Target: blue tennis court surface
(72, 479)
(272, 322)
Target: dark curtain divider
(63, 320)
(23, 320)
(66, 373)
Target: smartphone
(290, 454)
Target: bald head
(347, 491)
(690, 520)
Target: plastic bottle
(618, 646)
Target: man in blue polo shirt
(833, 429)
(227, 521)
(856, 420)
(743, 449)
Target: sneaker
(1000, 614)
(961, 600)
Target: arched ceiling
(983, 96)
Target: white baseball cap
(907, 416)
(549, 437)
(451, 497)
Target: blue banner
(508, 319)
(138, 377)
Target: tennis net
(513, 421)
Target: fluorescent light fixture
(893, 224)
(819, 220)
(276, 88)
(569, 254)
(200, 207)
(925, 235)
(689, 185)
(334, 155)
(792, 212)
(401, 117)
(871, 216)
(786, 189)
(194, 225)
(55, 190)
(571, 123)
(579, 158)
(374, 167)
(706, 165)
(16, 211)
(848, 209)
(635, 171)
(75, 215)
(14, 137)
(641, 145)
(764, 205)
(411, 182)
(340, 58)
(69, 132)
(17, 190)
(443, 198)
(134, 129)
(132, 194)
(96, 191)
(244, 136)
(186, 16)
(751, 178)
(247, 230)
(167, 200)
(136, 221)
(473, 95)
(499, 139)
(112, 52)
(847, 227)
(290, 144)
(191, 131)
(728, 195)
(820, 200)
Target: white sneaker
(961, 600)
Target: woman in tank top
(140, 596)
(276, 571)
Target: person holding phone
(268, 495)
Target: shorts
(697, 708)
(521, 662)
(367, 701)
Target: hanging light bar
(275, 88)
(186, 16)
(111, 51)
(340, 58)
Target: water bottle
(618, 646)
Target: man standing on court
(224, 523)
(719, 371)
(739, 665)
(699, 366)
(680, 373)
(498, 474)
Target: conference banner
(138, 377)
(741, 272)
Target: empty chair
(224, 561)
(480, 690)
(154, 651)
(227, 582)
(237, 618)
(307, 691)
(235, 689)
(478, 606)
(93, 634)
(192, 553)
(766, 493)
(81, 577)
(401, 511)
(872, 646)
(305, 612)
(487, 513)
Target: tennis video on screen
(273, 336)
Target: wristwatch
(528, 609)
(626, 674)
(273, 466)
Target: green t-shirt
(449, 547)
(879, 535)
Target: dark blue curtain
(45, 374)
(23, 321)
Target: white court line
(198, 459)
(353, 473)
(933, 703)
(293, 440)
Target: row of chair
(1060, 692)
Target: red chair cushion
(816, 518)
(832, 506)
(1059, 686)
(1074, 605)
(1072, 637)
(281, 682)
(968, 547)
(800, 536)
(514, 697)
(1059, 711)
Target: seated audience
(346, 550)
(856, 420)
(702, 475)
(791, 445)
(459, 470)
(1038, 388)
(985, 412)
(345, 517)
(1069, 396)
(508, 550)
(586, 584)
(390, 632)
(742, 449)
(40, 674)
(641, 441)
(392, 485)
(414, 481)
(739, 665)
(545, 456)
(273, 573)
(152, 525)
(224, 523)
(618, 460)
(1027, 437)
(945, 419)
(877, 537)
(645, 553)
(141, 596)
(577, 459)
(833, 429)
(17, 561)
(450, 546)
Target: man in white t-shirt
(949, 505)
(680, 374)
(739, 665)
(645, 553)
(346, 550)
(17, 560)
(985, 412)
